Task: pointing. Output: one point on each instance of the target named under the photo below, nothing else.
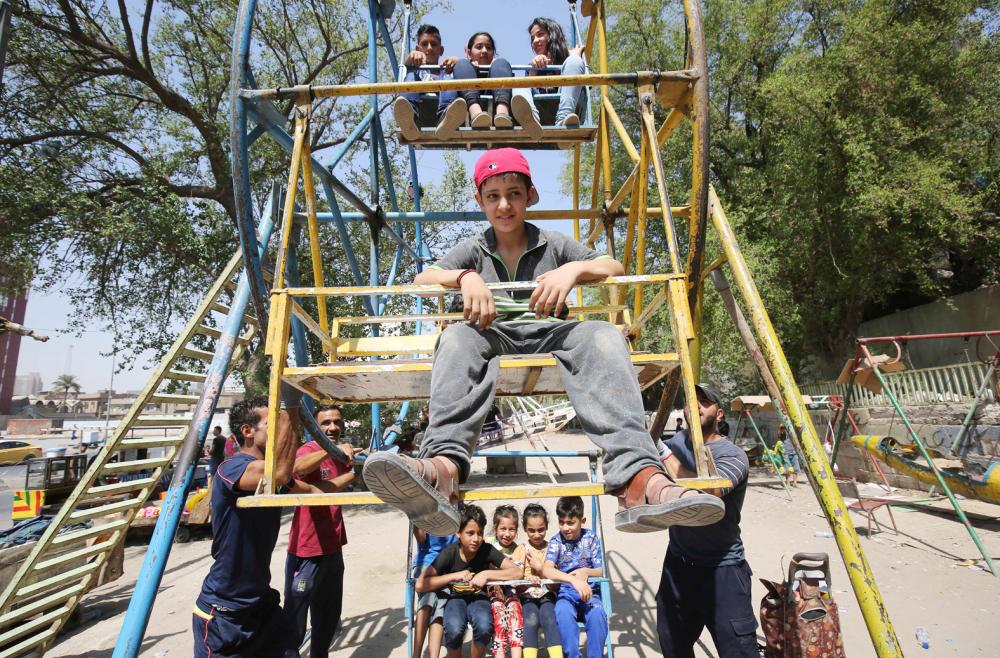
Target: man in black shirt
(706, 578)
(217, 450)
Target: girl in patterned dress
(508, 617)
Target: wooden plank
(530, 381)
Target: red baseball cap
(500, 161)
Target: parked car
(13, 452)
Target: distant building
(30, 384)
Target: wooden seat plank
(391, 380)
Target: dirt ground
(917, 571)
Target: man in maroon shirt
(314, 571)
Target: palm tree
(66, 384)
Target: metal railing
(956, 383)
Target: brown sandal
(639, 513)
(423, 489)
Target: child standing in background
(429, 620)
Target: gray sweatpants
(593, 362)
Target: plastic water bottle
(923, 639)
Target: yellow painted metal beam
(602, 80)
(412, 289)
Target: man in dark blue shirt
(238, 613)
(706, 578)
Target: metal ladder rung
(173, 398)
(195, 353)
(101, 510)
(216, 333)
(219, 307)
(31, 626)
(49, 583)
(87, 533)
(186, 376)
(149, 442)
(137, 464)
(162, 421)
(42, 604)
(121, 487)
(73, 556)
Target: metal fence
(958, 383)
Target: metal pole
(859, 571)
(374, 228)
(239, 77)
(930, 462)
(5, 13)
(151, 573)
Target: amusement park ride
(266, 308)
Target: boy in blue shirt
(429, 620)
(574, 556)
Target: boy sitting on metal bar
(592, 358)
(406, 108)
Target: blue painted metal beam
(240, 144)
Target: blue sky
(507, 21)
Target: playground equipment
(867, 366)
(376, 368)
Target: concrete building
(29, 384)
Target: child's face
(506, 531)
(504, 200)
(430, 45)
(536, 529)
(471, 537)
(482, 50)
(571, 527)
(539, 40)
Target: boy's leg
(406, 108)
(595, 621)
(421, 621)
(435, 634)
(595, 368)
(731, 621)
(566, 621)
(463, 381)
(454, 623)
(480, 618)
(326, 604)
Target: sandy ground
(916, 570)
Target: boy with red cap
(592, 358)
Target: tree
(66, 384)
(114, 166)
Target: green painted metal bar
(767, 453)
(930, 462)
